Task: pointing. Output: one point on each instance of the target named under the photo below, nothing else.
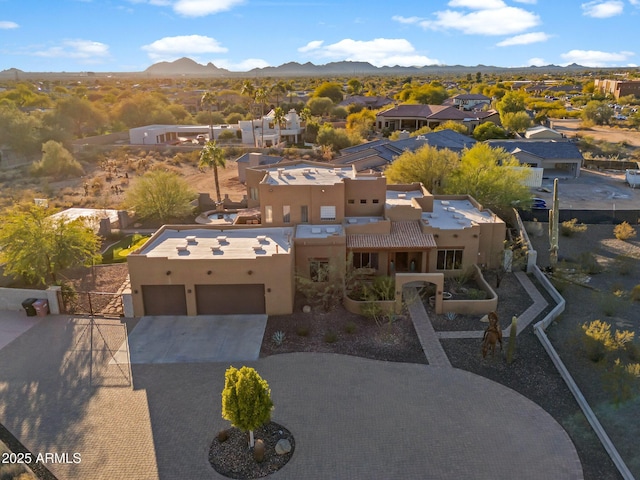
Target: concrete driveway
(205, 338)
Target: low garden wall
(12, 298)
(358, 307)
(475, 306)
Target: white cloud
(530, 2)
(242, 66)
(313, 45)
(477, 4)
(194, 8)
(538, 62)
(599, 9)
(634, 2)
(596, 58)
(406, 20)
(378, 52)
(524, 39)
(495, 21)
(171, 48)
(85, 50)
(5, 25)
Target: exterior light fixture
(168, 272)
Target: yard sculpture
(492, 335)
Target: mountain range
(190, 68)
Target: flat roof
(456, 214)
(395, 197)
(306, 174)
(318, 231)
(219, 244)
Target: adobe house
(313, 216)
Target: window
(327, 213)
(286, 214)
(253, 193)
(304, 214)
(365, 260)
(375, 200)
(363, 200)
(351, 201)
(449, 260)
(268, 214)
(319, 269)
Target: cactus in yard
(512, 339)
(554, 217)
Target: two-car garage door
(210, 299)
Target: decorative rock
(485, 319)
(306, 309)
(223, 435)
(283, 446)
(258, 451)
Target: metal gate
(101, 304)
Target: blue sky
(130, 35)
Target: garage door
(230, 299)
(164, 300)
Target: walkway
(430, 339)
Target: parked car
(538, 204)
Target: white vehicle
(632, 177)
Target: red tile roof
(403, 235)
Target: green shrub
(589, 264)
(571, 227)
(635, 294)
(303, 330)
(330, 337)
(624, 265)
(624, 231)
(600, 332)
(350, 328)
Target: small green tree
(332, 90)
(516, 121)
(489, 130)
(246, 400)
(597, 112)
(37, 247)
(160, 195)
(57, 162)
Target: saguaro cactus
(554, 217)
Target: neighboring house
(175, 134)
(414, 117)
(254, 159)
(371, 103)
(379, 154)
(268, 133)
(314, 217)
(540, 132)
(557, 158)
(617, 88)
(470, 101)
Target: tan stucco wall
(276, 272)
(331, 248)
(366, 190)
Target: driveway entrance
(205, 338)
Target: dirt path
(572, 128)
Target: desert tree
(212, 156)
(160, 195)
(246, 400)
(516, 121)
(37, 247)
(279, 118)
(208, 100)
(56, 162)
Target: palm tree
(249, 90)
(208, 100)
(261, 97)
(279, 89)
(212, 156)
(279, 117)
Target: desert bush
(303, 330)
(350, 328)
(570, 227)
(635, 294)
(278, 338)
(609, 304)
(624, 231)
(624, 265)
(330, 337)
(598, 339)
(621, 381)
(589, 264)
